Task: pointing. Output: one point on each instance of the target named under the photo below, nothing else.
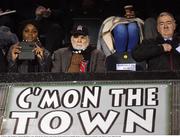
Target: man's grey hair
(166, 14)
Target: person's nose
(79, 39)
(165, 26)
(30, 34)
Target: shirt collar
(165, 39)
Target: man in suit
(162, 53)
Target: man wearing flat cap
(80, 56)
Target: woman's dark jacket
(26, 66)
(157, 59)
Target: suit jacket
(62, 59)
(157, 59)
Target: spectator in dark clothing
(162, 53)
(53, 28)
(54, 25)
(39, 60)
(7, 38)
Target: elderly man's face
(80, 42)
(166, 26)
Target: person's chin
(78, 47)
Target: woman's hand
(39, 52)
(15, 50)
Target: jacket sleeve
(56, 62)
(99, 64)
(147, 50)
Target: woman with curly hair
(28, 55)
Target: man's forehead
(165, 17)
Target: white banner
(87, 109)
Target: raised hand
(39, 52)
(15, 50)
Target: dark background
(96, 8)
(100, 9)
